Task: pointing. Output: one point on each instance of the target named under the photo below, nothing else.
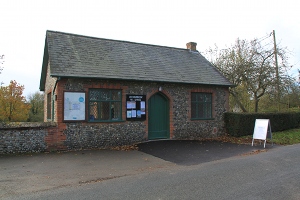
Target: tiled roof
(88, 57)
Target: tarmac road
(28, 176)
(270, 175)
(25, 174)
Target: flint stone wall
(95, 136)
(102, 135)
(23, 137)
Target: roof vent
(191, 46)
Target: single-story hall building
(104, 92)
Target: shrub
(241, 124)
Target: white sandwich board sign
(262, 130)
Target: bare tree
(250, 66)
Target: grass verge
(287, 137)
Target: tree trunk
(256, 100)
(238, 102)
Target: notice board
(74, 106)
(262, 130)
(135, 107)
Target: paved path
(22, 174)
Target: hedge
(241, 124)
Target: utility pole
(277, 73)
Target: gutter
(58, 79)
(53, 99)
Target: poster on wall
(74, 106)
(135, 107)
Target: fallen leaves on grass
(230, 139)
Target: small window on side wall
(49, 105)
(201, 105)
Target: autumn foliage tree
(13, 106)
(36, 102)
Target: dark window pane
(201, 98)
(116, 111)
(194, 96)
(207, 98)
(205, 111)
(104, 106)
(104, 95)
(194, 110)
(116, 95)
(200, 110)
(49, 105)
(94, 95)
(201, 106)
(209, 110)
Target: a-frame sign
(262, 131)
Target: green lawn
(287, 137)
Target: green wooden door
(158, 121)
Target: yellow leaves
(13, 106)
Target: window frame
(198, 103)
(100, 101)
(49, 106)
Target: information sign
(262, 130)
(74, 106)
(135, 107)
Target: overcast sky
(167, 23)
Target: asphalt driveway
(186, 152)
